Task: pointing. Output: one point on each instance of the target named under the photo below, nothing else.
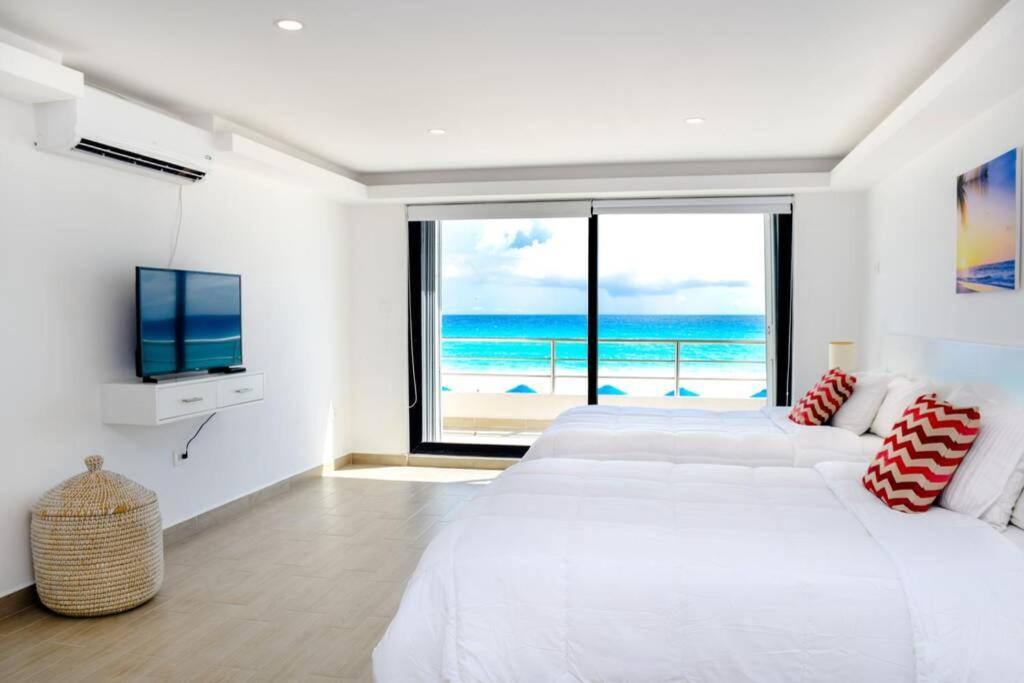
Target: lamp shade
(842, 355)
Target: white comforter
(739, 437)
(577, 570)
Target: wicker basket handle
(94, 463)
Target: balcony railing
(675, 357)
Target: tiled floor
(300, 588)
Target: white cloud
(647, 264)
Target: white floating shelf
(140, 403)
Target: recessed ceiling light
(695, 120)
(289, 24)
(437, 131)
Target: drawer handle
(243, 390)
(192, 399)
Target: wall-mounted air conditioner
(110, 130)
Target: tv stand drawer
(139, 403)
(176, 401)
(238, 390)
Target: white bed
(610, 554)
(766, 437)
(577, 570)
(762, 437)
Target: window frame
(779, 317)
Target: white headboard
(996, 370)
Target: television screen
(187, 321)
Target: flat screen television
(186, 321)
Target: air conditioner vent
(126, 156)
(134, 138)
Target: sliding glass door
(682, 303)
(511, 327)
(524, 311)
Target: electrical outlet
(178, 457)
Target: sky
(648, 264)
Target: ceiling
(523, 83)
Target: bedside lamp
(842, 355)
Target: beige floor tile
(298, 588)
(19, 621)
(33, 659)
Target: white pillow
(990, 478)
(859, 410)
(900, 394)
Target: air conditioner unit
(110, 130)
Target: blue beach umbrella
(683, 391)
(610, 390)
(761, 394)
(521, 389)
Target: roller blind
(584, 208)
(455, 212)
(773, 204)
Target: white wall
(379, 343)
(829, 251)
(70, 236)
(912, 243)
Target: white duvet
(739, 437)
(577, 570)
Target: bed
(762, 437)
(587, 570)
(626, 554)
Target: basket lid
(93, 493)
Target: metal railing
(552, 359)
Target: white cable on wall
(177, 230)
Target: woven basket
(97, 544)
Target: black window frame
(782, 285)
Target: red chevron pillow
(823, 400)
(921, 454)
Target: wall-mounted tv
(186, 321)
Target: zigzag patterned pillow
(823, 400)
(921, 454)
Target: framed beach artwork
(988, 226)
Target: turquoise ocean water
(520, 343)
(1002, 275)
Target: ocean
(1001, 275)
(631, 358)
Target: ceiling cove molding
(986, 70)
(217, 124)
(608, 170)
(32, 74)
(23, 43)
(601, 181)
(251, 151)
(600, 188)
(251, 155)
